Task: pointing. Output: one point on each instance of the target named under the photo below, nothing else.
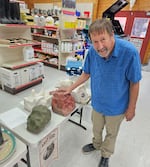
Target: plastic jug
(28, 53)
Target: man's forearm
(84, 77)
(134, 91)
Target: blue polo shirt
(110, 78)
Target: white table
(32, 140)
(20, 152)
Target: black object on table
(1, 137)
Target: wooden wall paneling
(54, 2)
(30, 3)
(141, 5)
(146, 48)
(147, 54)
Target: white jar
(36, 19)
(28, 53)
(49, 21)
(41, 21)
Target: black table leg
(27, 162)
(80, 122)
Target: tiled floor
(132, 147)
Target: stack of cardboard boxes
(21, 76)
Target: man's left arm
(134, 91)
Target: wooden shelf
(13, 39)
(15, 45)
(20, 64)
(73, 51)
(45, 36)
(45, 27)
(47, 53)
(72, 40)
(66, 32)
(50, 64)
(84, 18)
(15, 25)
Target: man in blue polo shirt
(114, 67)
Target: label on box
(10, 78)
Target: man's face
(103, 43)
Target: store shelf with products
(18, 72)
(84, 22)
(48, 50)
(74, 23)
(71, 45)
(71, 39)
(59, 42)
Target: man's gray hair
(100, 26)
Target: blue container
(78, 14)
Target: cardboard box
(33, 72)
(40, 69)
(24, 75)
(10, 78)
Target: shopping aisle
(132, 149)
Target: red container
(86, 14)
